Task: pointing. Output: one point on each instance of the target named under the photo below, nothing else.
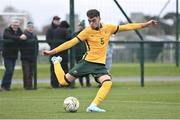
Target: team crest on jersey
(102, 41)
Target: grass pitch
(128, 69)
(127, 100)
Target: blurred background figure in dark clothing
(29, 52)
(61, 35)
(49, 38)
(80, 50)
(1, 45)
(1, 42)
(12, 36)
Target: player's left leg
(62, 78)
(106, 83)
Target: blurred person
(12, 36)
(109, 56)
(96, 37)
(29, 52)
(1, 42)
(1, 46)
(49, 39)
(60, 35)
(80, 50)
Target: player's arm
(62, 47)
(133, 26)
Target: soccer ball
(71, 104)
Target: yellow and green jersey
(97, 40)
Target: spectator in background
(61, 35)
(109, 55)
(80, 50)
(29, 50)
(12, 36)
(1, 42)
(49, 38)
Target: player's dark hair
(93, 13)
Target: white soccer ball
(71, 104)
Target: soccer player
(96, 37)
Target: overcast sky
(42, 11)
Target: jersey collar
(99, 27)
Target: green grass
(151, 69)
(157, 100)
(43, 72)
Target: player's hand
(151, 23)
(48, 52)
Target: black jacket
(1, 41)
(29, 47)
(49, 34)
(11, 42)
(60, 36)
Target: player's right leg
(102, 93)
(59, 71)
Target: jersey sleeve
(82, 36)
(131, 26)
(67, 45)
(113, 28)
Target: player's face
(94, 22)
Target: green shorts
(85, 68)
